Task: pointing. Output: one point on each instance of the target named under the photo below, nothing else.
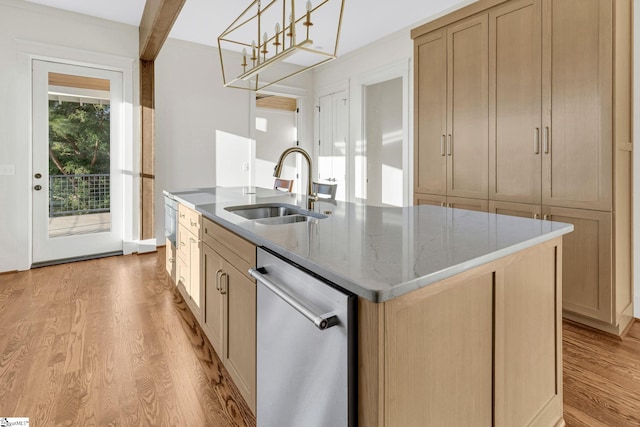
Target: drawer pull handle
(223, 289)
(218, 273)
(546, 142)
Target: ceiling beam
(156, 22)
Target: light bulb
(277, 27)
(244, 51)
(308, 5)
(266, 37)
(253, 44)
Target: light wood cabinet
(213, 313)
(559, 126)
(515, 114)
(229, 318)
(587, 262)
(490, 337)
(451, 117)
(188, 257)
(577, 103)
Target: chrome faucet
(277, 171)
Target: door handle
(536, 141)
(442, 148)
(37, 187)
(218, 273)
(449, 143)
(322, 322)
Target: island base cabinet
(229, 315)
(482, 348)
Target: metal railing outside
(78, 194)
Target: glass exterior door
(77, 185)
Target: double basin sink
(274, 213)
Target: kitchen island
(458, 313)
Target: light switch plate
(7, 169)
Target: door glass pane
(79, 147)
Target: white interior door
(77, 181)
(333, 126)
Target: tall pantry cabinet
(535, 121)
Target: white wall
(199, 122)
(42, 31)
(205, 133)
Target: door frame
(398, 69)
(129, 67)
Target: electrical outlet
(7, 169)
(245, 166)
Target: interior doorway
(77, 183)
(276, 121)
(381, 155)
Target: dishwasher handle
(322, 322)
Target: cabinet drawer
(236, 250)
(190, 219)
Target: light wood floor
(111, 342)
(108, 342)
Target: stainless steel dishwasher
(306, 348)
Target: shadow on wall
(233, 157)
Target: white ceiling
(202, 21)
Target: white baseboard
(139, 246)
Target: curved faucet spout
(278, 170)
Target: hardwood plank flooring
(111, 342)
(601, 377)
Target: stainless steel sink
(274, 213)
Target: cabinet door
(522, 210)
(586, 269)
(170, 259)
(431, 113)
(515, 73)
(468, 109)
(430, 199)
(194, 272)
(240, 331)
(213, 313)
(182, 278)
(577, 103)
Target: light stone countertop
(377, 253)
